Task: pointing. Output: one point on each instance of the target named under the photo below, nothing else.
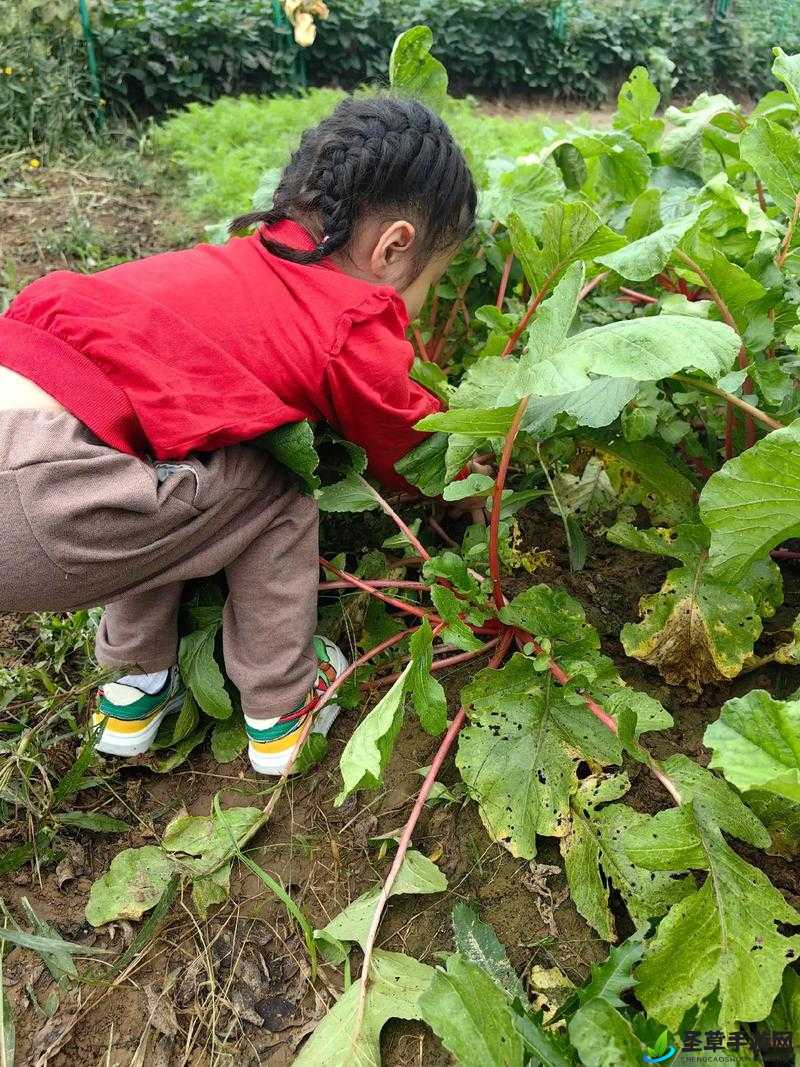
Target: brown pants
(82, 524)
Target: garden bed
(324, 855)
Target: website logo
(662, 1051)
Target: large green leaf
(596, 860)
(425, 465)
(753, 503)
(133, 884)
(774, 154)
(785, 1015)
(787, 69)
(756, 743)
(726, 937)
(646, 349)
(696, 629)
(370, 745)
(603, 1038)
(526, 191)
(201, 673)
(395, 986)
(682, 146)
(595, 405)
(475, 422)
(664, 491)
(642, 259)
(418, 875)
(472, 1016)
(623, 165)
(518, 756)
(571, 231)
(228, 739)
(548, 333)
(413, 71)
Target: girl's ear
(393, 249)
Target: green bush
(45, 101)
(156, 54)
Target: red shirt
(190, 351)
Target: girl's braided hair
(373, 156)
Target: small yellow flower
(8, 71)
(34, 163)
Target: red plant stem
(747, 387)
(423, 352)
(784, 553)
(730, 422)
(379, 583)
(762, 200)
(358, 583)
(440, 532)
(408, 830)
(404, 529)
(635, 295)
(501, 292)
(464, 313)
(592, 285)
(438, 346)
(434, 311)
(339, 681)
(447, 661)
(497, 497)
(526, 318)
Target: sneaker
(133, 717)
(272, 741)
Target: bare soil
(237, 988)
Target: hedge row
(160, 53)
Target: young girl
(127, 398)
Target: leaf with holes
(413, 71)
(518, 756)
(396, 985)
(133, 884)
(696, 629)
(725, 938)
(596, 860)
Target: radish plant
(623, 329)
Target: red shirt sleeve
(370, 397)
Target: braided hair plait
(370, 156)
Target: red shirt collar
(288, 232)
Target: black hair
(370, 156)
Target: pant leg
(271, 612)
(141, 630)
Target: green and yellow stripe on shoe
(131, 717)
(273, 741)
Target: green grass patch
(222, 149)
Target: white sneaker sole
(275, 766)
(112, 743)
